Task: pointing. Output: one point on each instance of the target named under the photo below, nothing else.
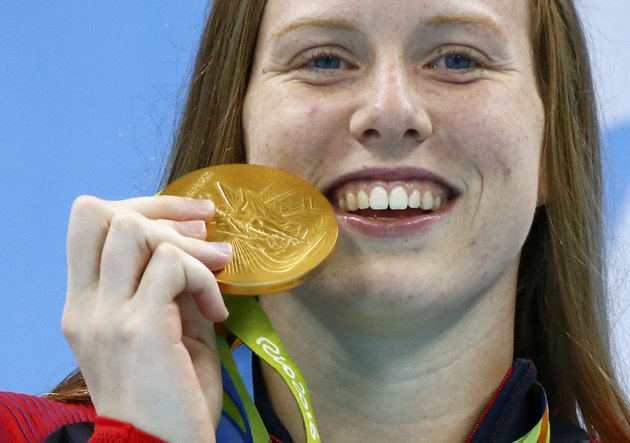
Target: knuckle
(126, 221)
(131, 332)
(104, 332)
(68, 327)
(167, 251)
(87, 221)
(86, 205)
(122, 334)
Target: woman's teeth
(397, 199)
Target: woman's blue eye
(327, 62)
(457, 61)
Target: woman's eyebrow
(338, 24)
(477, 20)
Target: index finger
(170, 207)
(91, 217)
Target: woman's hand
(140, 311)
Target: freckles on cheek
(296, 129)
(313, 111)
(507, 152)
(504, 156)
(505, 139)
(292, 120)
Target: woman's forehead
(497, 15)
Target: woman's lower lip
(390, 228)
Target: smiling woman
(458, 142)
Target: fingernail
(203, 205)
(225, 314)
(223, 248)
(193, 226)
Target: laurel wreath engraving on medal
(270, 230)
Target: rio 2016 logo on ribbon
(287, 370)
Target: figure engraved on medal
(270, 230)
(282, 230)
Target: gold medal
(282, 229)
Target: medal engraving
(272, 231)
(282, 230)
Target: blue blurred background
(89, 95)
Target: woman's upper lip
(391, 174)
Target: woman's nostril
(413, 133)
(371, 133)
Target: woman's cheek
(499, 156)
(299, 136)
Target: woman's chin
(385, 297)
(364, 291)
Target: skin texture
(399, 339)
(402, 320)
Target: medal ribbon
(250, 324)
(237, 403)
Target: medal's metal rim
(232, 287)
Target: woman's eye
(325, 62)
(323, 66)
(455, 62)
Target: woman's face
(428, 105)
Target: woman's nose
(391, 114)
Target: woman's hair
(561, 316)
(561, 307)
